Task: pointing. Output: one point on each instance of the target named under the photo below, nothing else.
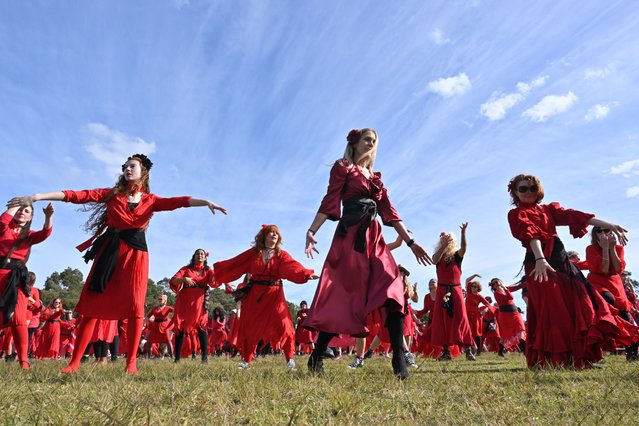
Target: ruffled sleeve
(524, 228)
(331, 203)
(227, 271)
(176, 287)
(161, 204)
(576, 220)
(87, 195)
(291, 270)
(385, 208)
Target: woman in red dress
(103, 334)
(450, 321)
(473, 299)
(217, 331)
(160, 326)
(191, 284)
(49, 346)
(511, 325)
(606, 262)
(16, 239)
(568, 322)
(116, 285)
(265, 314)
(303, 336)
(359, 274)
(491, 335)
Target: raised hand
(48, 210)
(421, 255)
(25, 200)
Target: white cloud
(497, 106)
(625, 167)
(597, 112)
(549, 106)
(450, 86)
(438, 37)
(632, 192)
(113, 147)
(593, 73)
(179, 4)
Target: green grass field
(490, 391)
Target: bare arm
(317, 223)
(48, 213)
(198, 202)
(472, 277)
(30, 199)
(395, 244)
(542, 267)
(464, 244)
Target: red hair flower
(354, 136)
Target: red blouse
(347, 182)
(449, 273)
(594, 255)
(197, 274)
(281, 266)
(8, 237)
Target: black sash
(109, 243)
(448, 304)
(356, 208)
(507, 308)
(18, 280)
(241, 293)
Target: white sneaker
(243, 365)
(290, 364)
(357, 363)
(410, 360)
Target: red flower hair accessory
(264, 226)
(206, 254)
(354, 136)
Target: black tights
(204, 344)
(100, 349)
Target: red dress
(491, 329)
(568, 323)
(302, 334)
(124, 295)
(472, 311)
(189, 314)
(49, 346)
(67, 337)
(511, 325)
(450, 326)
(353, 283)
(424, 341)
(217, 334)
(265, 314)
(8, 237)
(610, 281)
(160, 326)
(105, 330)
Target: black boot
(395, 325)
(179, 342)
(316, 360)
(479, 344)
(502, 350)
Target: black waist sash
(507, 308)
(53, 321)
(18, 279)
(108, 245)
(160, 320)
(448, 302)
(356, 208)
(241, 293)
(561, 263)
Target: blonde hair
(450, 249)
(349, 152)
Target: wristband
(540, 258)
(311, 231)
(410, 242)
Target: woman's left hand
(620, 232)
(48, 210)
(213, 207)
(421, 255)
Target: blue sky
(249, 103)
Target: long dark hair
(206, 262)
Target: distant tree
(66, 285)
(217, 297)
(154, 290)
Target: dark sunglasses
(523, 189)
(599, 231)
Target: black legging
(100, 349)
(204, 344)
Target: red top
(196, 273)
(473, 301)
(594, 255)
(449, 273)
(189, 311)
(346, 182)
(429, 305)
(529, 221)
(281, 266)
(505, 298)
(34, 309)
(51, 314)
(8, 237)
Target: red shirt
(8, 237)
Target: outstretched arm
(198, 202)
(25, 200)
(420, 254)
(472, 277)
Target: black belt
(108, 245)
(162, 320)
(448, 304)
(356, 208)
(53, 321)
(241, 293)
(18, 279)
(507, 308)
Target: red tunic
(607, 282)
(303, 335)
(450, 330)
(563, 327)
(265, 314)
(158, 328)
(49, 345)
(67, 336)
(472, 310)
(8, 237)
(105, 330)
(217, 334)
(511, 325)
(353, 284)
(125, 293)
(189, 314)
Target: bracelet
(410, 242)
(540, 258)
(311, 231)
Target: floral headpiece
(354, 136)
(146, 162)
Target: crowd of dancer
(363, 296)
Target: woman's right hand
(24, 200)
(421, 255)
(542, 268)
(189, 282)
(310, 244)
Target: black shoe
(399, 365)
(445, 356)
(368, 354)
(315, 364)
(328, 353)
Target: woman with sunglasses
(511, 326)
(568, 322)
(359, 274)
(116, 285)
(605, 260)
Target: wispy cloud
(632, 192)
(626, 168)
(596, 73)
(179, 4)
(438, 37)
(499, 103)
(549, 106)
(450, 86)
(598, 111)
(111, 146)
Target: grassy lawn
(490, 391)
